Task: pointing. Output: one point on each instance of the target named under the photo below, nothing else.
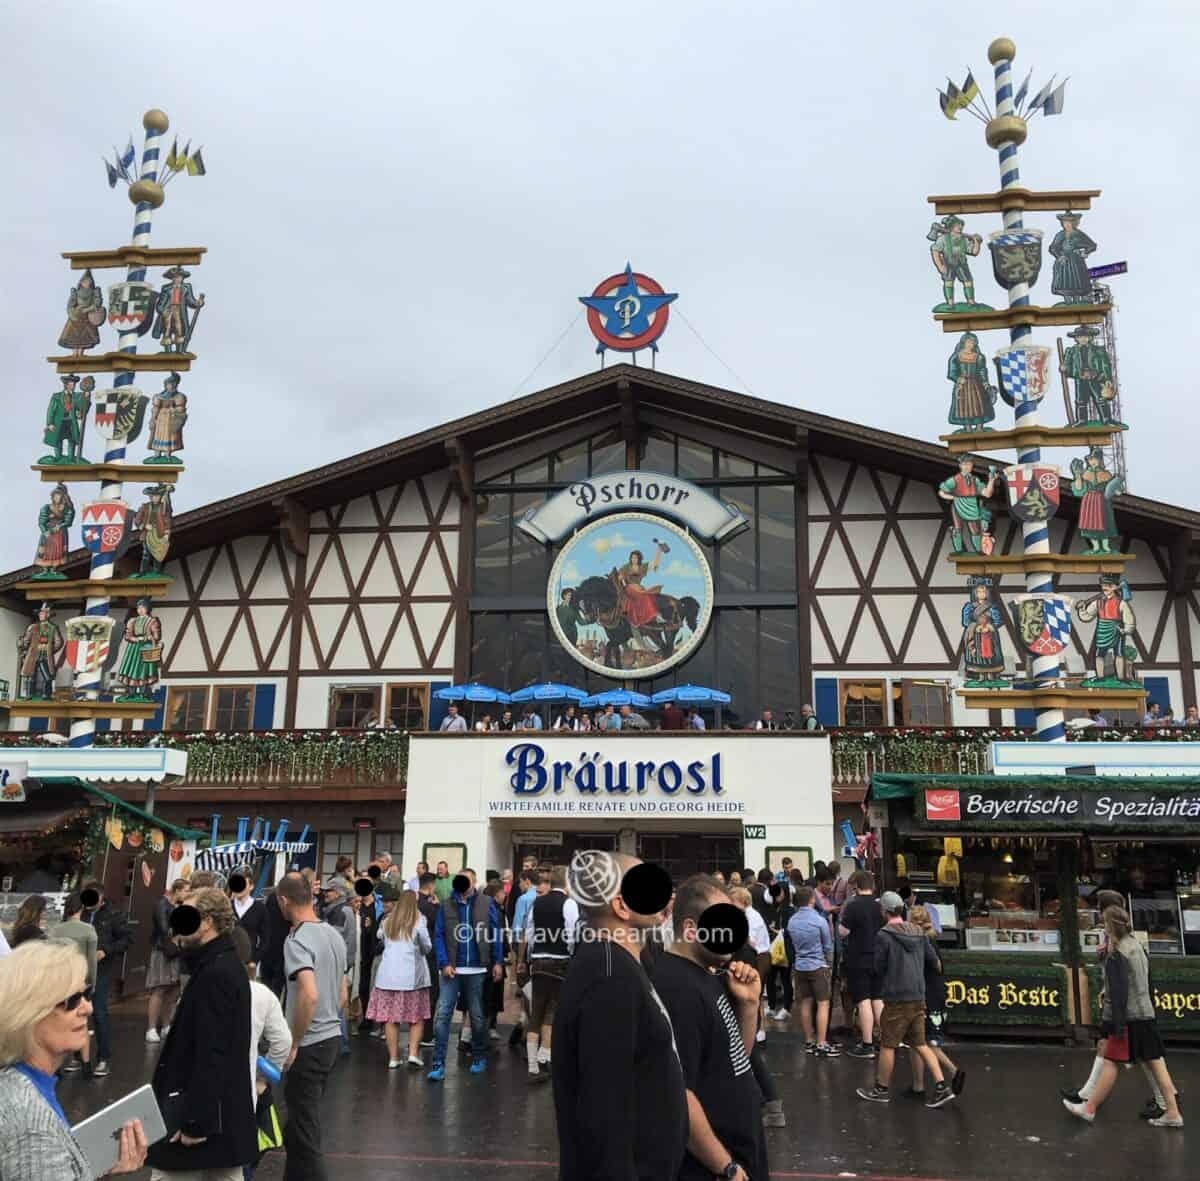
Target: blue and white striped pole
(1005, 133)
(147, 195)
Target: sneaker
(427, 1044)
(958, 1081)
(940, 1097)
(542, 1076)
(1163, 1122)
(152, 1036)
(415, 1063)
(494, 1035)
(760, 1036)
(394, 1064)
(772, 1114)
(479, 1065)
(72, 1065)
(915, 1092)
(829, 1050)
(861, 1050)
(810, 1047)
(875, 1094)
(464, 1047)
(101, 1069)
(437, 1074)
(166, 1029)
(1080, 1110)
(781, 1014)
(1071, 1095)
(1150, 1111)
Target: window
(408, 707)
(862, 703)
(921, 703)
(388, 842)
(354, 707)
(233, 707)
(187, 709)
(333, 846)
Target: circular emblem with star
(628, 312)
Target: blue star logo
(626, 310)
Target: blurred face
(735, 878)
(62, 1030)
(543, 888)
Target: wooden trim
(906, 686)
(1042, 563)
(19, 708)
(884, 700)
(125, 363)
(1014, 198)
(1028, 314)
(421, 686)
(136, 256)
(1183, 558)
(804, 596)
(1018, 438)
(117, 473)
(781, 458)
(1053, 698)
(376, 692)
(109, 588)
(628, 418)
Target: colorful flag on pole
(947, 110)
(1041, 96)
(113, 175)
(195, 164)
(1022, 92)
(173, 156)
(1054, 101)
(128, 156)
(969, 91)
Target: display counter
(1007, 991)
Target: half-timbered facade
(343, 597)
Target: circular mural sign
(630, 596)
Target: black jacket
(113, 934)
(202, 1081)
(276, 933)
(254, 923)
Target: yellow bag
(901, 866)
(778, 952)
(952, 846)
(947, 872)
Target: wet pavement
(1009, 1124)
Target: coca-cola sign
(942, 804)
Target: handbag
(1116, 1046)
(778, 952)
(169, 947)
(152, 655)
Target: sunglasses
(72, 1002)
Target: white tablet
(98, 1136)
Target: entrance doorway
(683, 854)
(561, 853)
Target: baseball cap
(891, 901)
(335, 884)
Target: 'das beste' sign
(701, 512)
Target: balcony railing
(858, 754)
(379, 758)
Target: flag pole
(1006, 133)
(147, 195)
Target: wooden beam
(505, 456)
(465, 567)
(1014, 198)
(629, 422)
(1038, 563)
(135, 256)
(1018, 438)
(117, 473)
(293, 523)
(68, 708)
(1183, 571)
(77, 591)
(1053, 698)
(804, 669)
(125, 363)
(462, 468)
(1036, 317)
(299, 614)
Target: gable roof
(589, 403)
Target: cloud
(678, 569)
(570, 573)
(609, 541)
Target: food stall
(1021, 858)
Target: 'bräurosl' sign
(699, 511)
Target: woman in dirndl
(1128, 1023)
(140, 662)
(401, 991)
(85, 314)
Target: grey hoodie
(901, 952)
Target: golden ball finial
(155, 120)
(147, 191)
(1003, 49)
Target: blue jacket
(469, 919)
(521, 911)
(812, 943)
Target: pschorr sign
(597, 784)
(691, 506)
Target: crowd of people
(661, 997)
(613, 719)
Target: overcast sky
(404, 202)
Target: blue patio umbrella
(617, 697)
(472, 693)
(692, 695)
(549, 691)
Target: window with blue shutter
(437, 708)
(264, 708)
(825, 700)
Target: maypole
(107, 525)
(1041, 617)
(147, 195)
